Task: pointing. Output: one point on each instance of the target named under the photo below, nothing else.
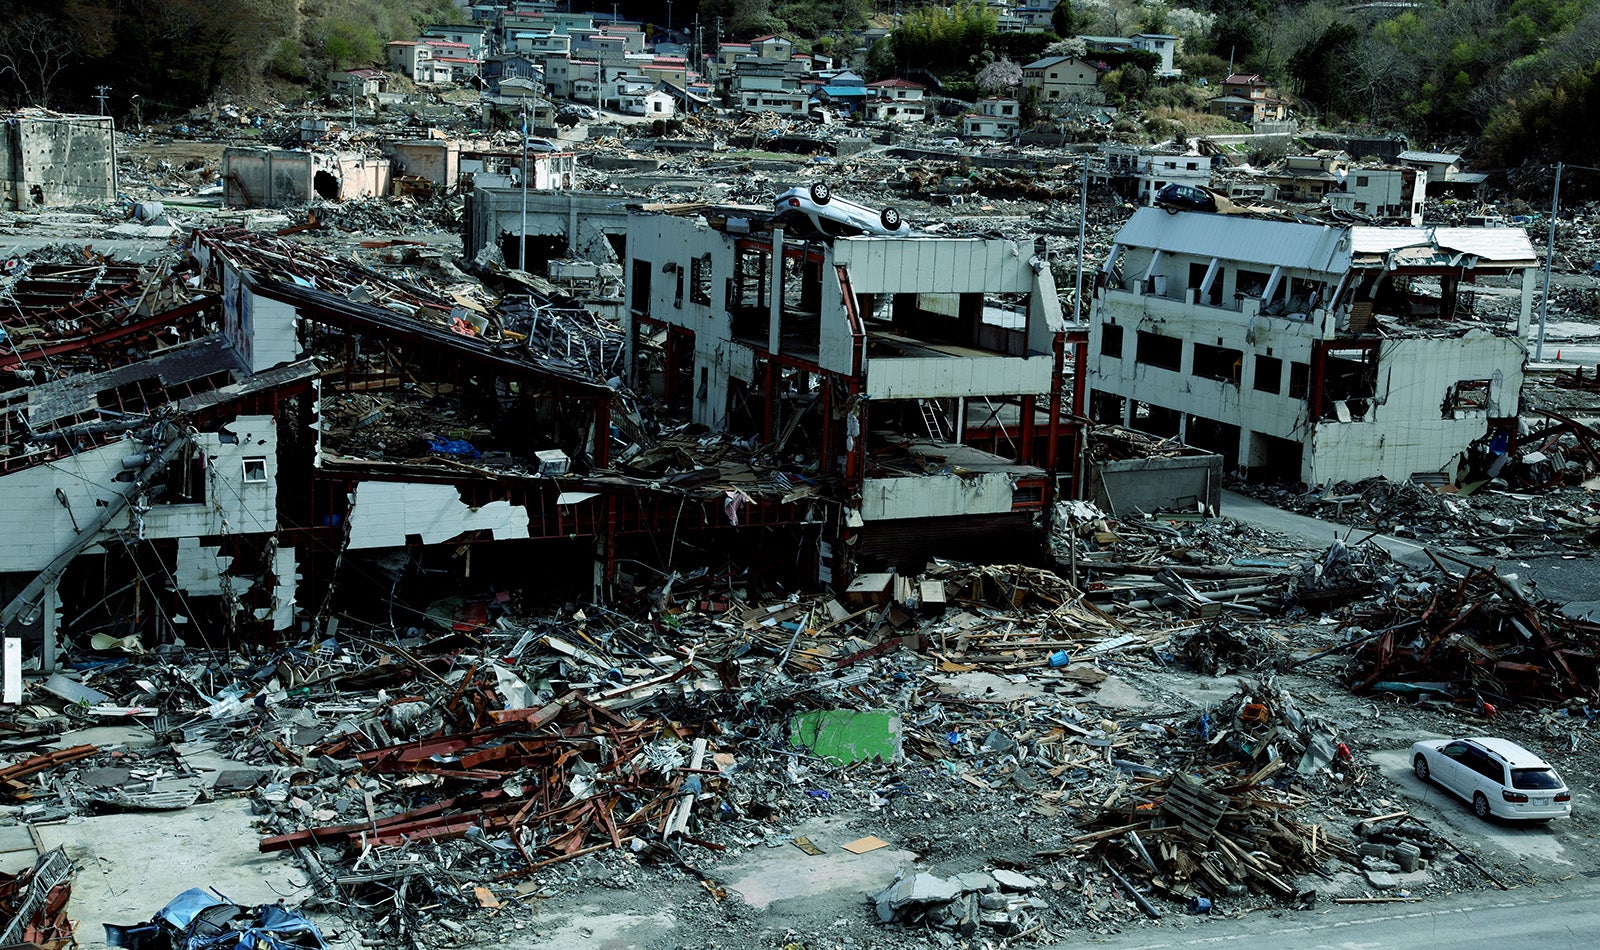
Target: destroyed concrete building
(51, 160)
(141, 444)
(1311, 352)
(922, 377)
(281, 178)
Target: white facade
(1259, 339)
(1162, 45)
(995, 119)
(913, 320)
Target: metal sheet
(1313, 247)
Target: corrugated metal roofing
(1500, 245)
(1414, 156)
(1239, 238)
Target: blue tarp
(201, 919)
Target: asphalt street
(1565, 920)
(1561, 578)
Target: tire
(1480, 805)
(891, 219)
(821, 193)
(1420, 766)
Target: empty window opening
(255, 470)
(1299, 380)
(1250, 283)
(640, 301)
(1269, 374)
(1111, 340)
(1218, 362)
(1162, 352)
(700, 280)
(1468, 398)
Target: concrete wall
(935, 496)
(1124, 485)
(582, 218)
(35, 525)
(278, 178)
(1407, 430)
(438, 162)
(51, 161)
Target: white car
(1497, 776)
(835, 216)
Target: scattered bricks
(1373, 849)
(1407, 856)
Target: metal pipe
(1549, 258)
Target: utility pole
(1549, 258)
(522, 238)
(669, 19)
(1083, 216)
(100, 94)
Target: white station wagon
(1497, 776)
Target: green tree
(1063, 21)
(1323, 70)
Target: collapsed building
(1312, 352)
(923, 377)
(281, 178)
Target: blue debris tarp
(201, 919)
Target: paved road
(1558, 578)
(1549, 920)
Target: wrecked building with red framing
(921, 379)
(258, 433)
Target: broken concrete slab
(921, 888)
(1012, 881)
(766, 879)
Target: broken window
(1250, 283)
(1467, 398)
(1269, 374)
(700, 280)
(1299, 380)
(1162, 352)
(1218, 362)
(1111, 340)
(677, 297)
(255, 470)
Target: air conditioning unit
(552, 462)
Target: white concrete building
(1138, 173)
(1307, 352)
(908, 349)
(997, 118)
(1390, 194)
(1164, 46)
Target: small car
(834, 216)
(536, 144)
(1497, 776)
(1176, 197)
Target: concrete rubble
(413, 549)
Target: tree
(35, 49)
(1071, 46)
(1323, 69)
(1063, 21)
(1000, 76)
